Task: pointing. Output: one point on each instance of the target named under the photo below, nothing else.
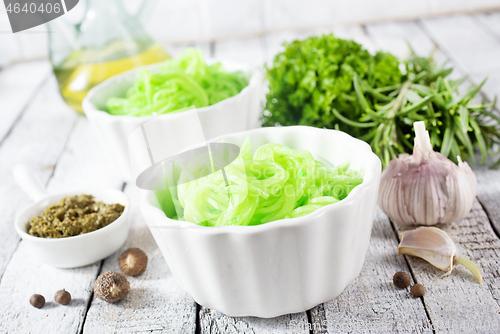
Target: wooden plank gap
(15, 249)
(490, 218)
(413, 276)
(364, 28)
(319, 323)
(371, 303)
(197, 329)
(309, 320)
(89, 300)
(423, 302)
(155, 303)
(458, 300)
(36, 141)
(212, 49)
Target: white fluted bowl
(281, 267)
(238, 113)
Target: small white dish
(70, 252)
(238, 113)
(285, 266)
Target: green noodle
(179, 83)
(275, 182)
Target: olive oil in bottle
(76, 76)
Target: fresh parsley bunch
(314, 76)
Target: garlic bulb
(426, 188)
(436, 247)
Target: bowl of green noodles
(225, 94)
(281, 228)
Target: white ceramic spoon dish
(77, 251)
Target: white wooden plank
(212, 321)
(491, 88)
(37, 140)
(155, 304)
(177, 21)
(233, 18)
(82, 164)
(469, 46)
(18, 85)
(458, 303)
(175, 49)
(205, 47)
(491, 20)
(248, 50)
(372, 304)
(397, 37)
(25, 277)
(444, 299)
(9, 44)
(255, 51)
(478, 40)
(355, 33)
(273, 43)
(488, 193)
(394, 37)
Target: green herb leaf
(333, 83)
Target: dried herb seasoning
(74, 215)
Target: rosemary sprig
(457, 125)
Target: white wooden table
(38, 129)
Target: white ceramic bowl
(238, 113)
(77, 251)
(281, 267)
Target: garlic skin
(436, 247)
(426, 188)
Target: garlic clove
(430, 244)
(436, 247)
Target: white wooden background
(38, 129)
(194, 21)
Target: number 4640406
(34, 8)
